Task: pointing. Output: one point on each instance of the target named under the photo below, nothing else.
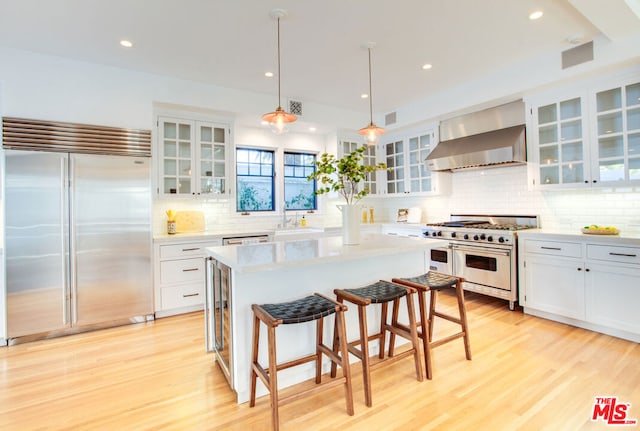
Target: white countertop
(294, 253)
(623, 238)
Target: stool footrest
(316, 388)
(447, 317)
(445, 340)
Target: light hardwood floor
(527, 373)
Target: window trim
(284, 178)
(273, 153)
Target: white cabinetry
(587, 135)
(180, 276)
(557, 272)
(192, 157)
(594, 284)
(405, 154)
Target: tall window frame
(299, 193)
(255, 179)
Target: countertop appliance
(77, 232)
(483, 250)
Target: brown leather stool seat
(315, 307)
(381, 292)
(433, 282)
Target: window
(255, 180)
(299, 193)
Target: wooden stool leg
(413, 330)
(364, 348)
(425, 325)
(340, 327)
(463, 319)
(273, 377)
(337, 341)
(432, 309)
(319, 341)
(394, 322)
(382, 331)
(254, 360)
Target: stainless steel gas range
(483, 250)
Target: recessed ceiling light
(427, 66)
(126, 43)
(364, 96)
(535, 15)
(312, 129)
(268, 74)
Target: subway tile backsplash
(500, 190)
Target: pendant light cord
(279, 104)
(370, 91)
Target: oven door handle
(485, 250)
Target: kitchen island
(281, 271)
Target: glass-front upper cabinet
(588, 139)
(560, 149)
(617, 132)
(368, 159)
(405, 154)
(192, 157)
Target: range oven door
(483, 265)
(440, 260)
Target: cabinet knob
(587, 270)
(579, 269)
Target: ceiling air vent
(295, 107)
(390, 119)
(578, 55)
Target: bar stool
(381, 292)
(433, 282)
(313, 307)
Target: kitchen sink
(298, 231)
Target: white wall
(504, 191)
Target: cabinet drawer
(612, 253)
(182, 250)
(182, 296)
(565, 249)
(182, 271)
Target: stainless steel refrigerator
(77, 242)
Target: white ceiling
(232, 43)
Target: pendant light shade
(371, 132)
(279, 118)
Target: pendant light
(371, 132)
(279, 118)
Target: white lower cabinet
(180, 276)
(557, 286)
(595, 286)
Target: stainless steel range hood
(493, 137)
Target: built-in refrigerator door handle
(73, 275)
(64, 238)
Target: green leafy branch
(343, 175)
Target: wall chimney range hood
(492, 137)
